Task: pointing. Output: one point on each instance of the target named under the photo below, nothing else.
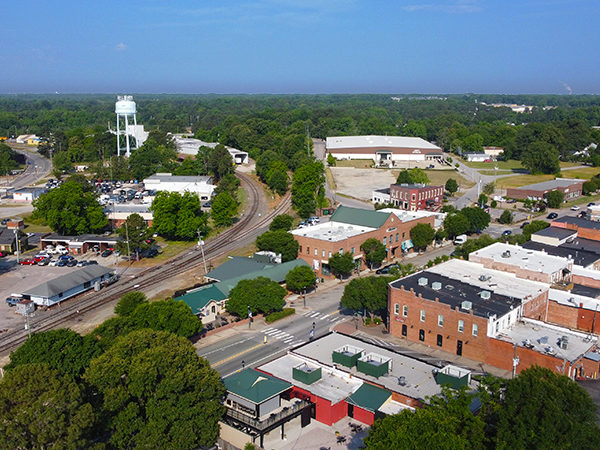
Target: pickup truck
(12, 301)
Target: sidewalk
(350, 328)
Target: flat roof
(580, 223)
(524, 258)
(503, 283)
(579, 257)
(589, 273)
(341, 142)
(359, 216)
(254, 386)
(67, 281)
(573, 300)
(583, 244)
(552, 184)
(545, 338)
(408, 216)
(556, 232)
(420, 381)
(54, 237)
(334, 385)
(128, 207)
(332, 231)
(168, 178)
(588, 291)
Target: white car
(53, 263)
(574, 208)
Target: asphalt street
(37, 167)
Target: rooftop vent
(402, 381)
(506, 254)
(436, 285)
(466, 305)
(484, 277)
(423, 281)
(485, 295)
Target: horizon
(302, 47)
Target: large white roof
(340, 142)
(573, 300)
(331, 231)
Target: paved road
(37, 167)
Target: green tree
(446, 423)
(489, 188)
(534, 227)
(404, 177)
(331, 161)
(482, 199)
(451, 186)
(68, 210)
(308, 188)
(261, 295)
(223, 210)
(157, 154)
(422, 235)
(170, 315)
(8, 159)
(61, 162)
(589, 187)
(555, 199)
(368, 293)
(177, 216)
(157, 393)
(473, 143)
(472, 245)
(128, 302)
(281, 222)
(300, 279)
(280, 242)
(220, 162)
(43, 408)
(61, 349)
(229, 183)
(477, 217)
(456, 224)
(541, 157)
(418, 176)
(277, 177)
(542, 409)
(373, 251)
(506, 217)
(341, 264)
(133, 235)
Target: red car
(39, 258)
(27, 262)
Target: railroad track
(249, 225)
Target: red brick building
(414, 197)
(485, 315)
(586, 229)
(349, 228)
(571, 188)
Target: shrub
(279, 314)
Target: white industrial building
(201, 185)
(384, 150)
(190, 146)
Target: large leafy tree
(128, 302)
(279, 241)
(308, 188)
(534, 227)
(477, 217)
(157, 393)
(555, 199)
(42, 407)
(368, 293)
(281, 222)
(300, 278)
(156, 155)
(446, 423)
(541, 157)
(220, 162)
(451, 186)
(456, 224)
(62, 349)
(177, 216)
(261, 295)
(223, 210)
(277, 177)
(412, 176)
(422, 235)
(229, 183)
(135, 232)
(341, 264)
(69, 210)
(9, 159)
(374, 251)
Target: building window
(341, 251)
(397, 237)
(384, 241)
(405, 311)
(404, 330)
(323, 253)
(308, 250)
(475, 329)
(396, 308)
(440, 340)
(403, 235)
(440, 320)
(330, 254)
(300, 249)
(422, 315)
(353, 250)
(421, 334)
(461, 326)
(316, 252)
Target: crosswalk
(286, 338)
(315, 315)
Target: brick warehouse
(349, 228)
(413, 197)
(486, 315)
(586, 229)
(571, 188)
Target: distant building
(201, 185)
(78, 245)
(117, 214)
(571, 188)
(28, 194)
(586, 229)
(386, 151)
(414, 197)
(381, 196)
(476, 157)
(494, 152)
(29, 139)
(8, 243)
(190, 146)
(553, 236)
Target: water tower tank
(125, 105)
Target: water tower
(126, 110)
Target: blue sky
(301, 46)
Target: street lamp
(249, 317)
(201, 245)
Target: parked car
(582, 215)
(506, 233)
(38, 258)
(524, 224)
(72, 263)
(386, 269)
(302, 225)
(552, 216)
(591, 204)
(2, 254)
(44, 262)
(65, 258)
(82, 263)
(106, 253)
(574, 208)
(61, 263)
(91, 262)
(12, 301)
(53, 262)
(27, 262)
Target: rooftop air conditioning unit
(402, 381)
(423, 281)
(506, 254)
(467, 305)
(485, 295)
(436, 285)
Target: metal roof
(168, 178)
(360, 217)
(341, 142)
(201, 297)
(67, 281)
(369, 397)
(255, 386)
(555, 232)
(552, 184)
(234, 267)
(578, 222)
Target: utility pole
(127, 237)
(16, 231)
(201, 245)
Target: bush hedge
(279, 314)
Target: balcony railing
(274, 418)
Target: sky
(300, 46)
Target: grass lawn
(35, 225)
(330, 179)
(439, 178)
(522, 180)
(357, 163)
(505, 165)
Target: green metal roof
(369, 397)
(361, 217)
(199, 298)
(255, 386)
(234, 267)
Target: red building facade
(414, 197)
